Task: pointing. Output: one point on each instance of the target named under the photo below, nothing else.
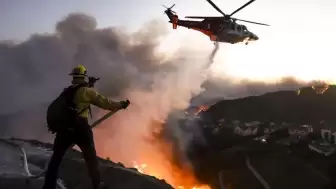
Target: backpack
(61, 113)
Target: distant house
(270, 129)
(253, 123)
(308, 128)
(328, 135)
(267, 130)
(236, 122)
(322, 147)
(296, 131)
(302, 130)
(245, 130)
(289, 140)
(221, 123)
(222, 120)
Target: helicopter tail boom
(174, 21)
(173, 18)
(174, 24)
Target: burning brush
(159, 149)
(142, 169)
(320, 88)
(201, 109)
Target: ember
(201, 109)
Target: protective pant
(82, 136)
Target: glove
(124, 104)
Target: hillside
(281, 106)
(294, 166)
(225, 158)
(18, 170)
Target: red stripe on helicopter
(212, 36)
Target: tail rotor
(169, 9)
(173, 18)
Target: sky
(298, 43)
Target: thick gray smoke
(129, 66)
(34, 71)
(216, 89)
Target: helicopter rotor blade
(196, 17)
(169, 8)
(203, 17)
(215, 6)
(246, 4)
(250, 22)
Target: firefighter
(81, 133)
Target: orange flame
(160, 163)
(142, 168)
(201, 109)
(320, 89)
(151, 154)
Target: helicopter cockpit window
(239, 28)
(245, 29)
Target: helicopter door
(239, 29)
(232, 26)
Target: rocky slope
(19, 171)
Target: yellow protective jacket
(85, 96)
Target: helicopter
(219, 28)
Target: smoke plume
(35, 71)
